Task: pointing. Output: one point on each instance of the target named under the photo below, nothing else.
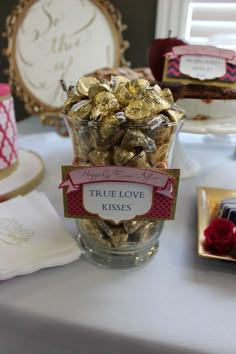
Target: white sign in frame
(51, 40)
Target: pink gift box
(8, 132)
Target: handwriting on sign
(54, 40)
(63, 65)
(64, 43)
(109, 174)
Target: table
(178, 303)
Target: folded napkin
(32, 236)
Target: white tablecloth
(178, 303)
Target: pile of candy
(120, 122)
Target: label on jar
(119, 193)
(200, 63)
(202, 67)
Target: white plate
(221, 116)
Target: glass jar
(147, 145)
(131, 125)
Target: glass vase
(131, 125)
(132, 242)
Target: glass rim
(144, 125)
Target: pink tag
(119, 193)
(4, 90)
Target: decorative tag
(202, 67)
(119, 193)
(210, 65)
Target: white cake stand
(215, 130)
(181, 159)
(26, 176)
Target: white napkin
(32, 236)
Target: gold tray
(208, 200)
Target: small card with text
(201, 63)
(119, 193)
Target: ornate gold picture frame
(51, 40)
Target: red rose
(220, 236)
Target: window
(199, 22)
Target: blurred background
(140, 32)
(195, 21)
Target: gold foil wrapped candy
(139, 160)
(135, 138)
(122, 156)
(138, 111)
(104, 103)
(145, 230)
(81, 109)
(160, 154)
(162, 135)
(96, 88)
(84, 84)
(166, 94)
(110, 125)
(132, 225)
(126, 123)
(70, 101)
(100, 158)
(137, 87)
(119, 236)
(175, 114)
(118, 80)
(92, 228)
(123, 95)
